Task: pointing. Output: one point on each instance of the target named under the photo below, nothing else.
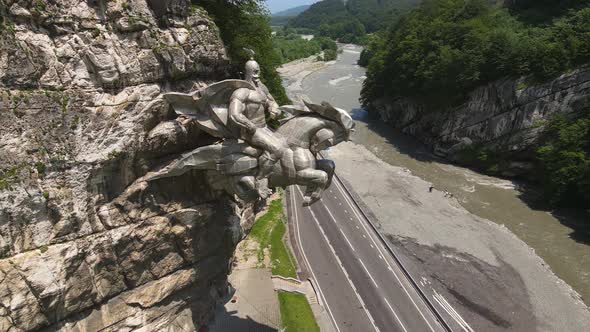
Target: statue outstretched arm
(237, 107)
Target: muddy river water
(566, 251)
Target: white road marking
(452, 312)
(368, 273)
(346, 238)
(360, 218)
(307, 261)
(365, 268)
(341, 266)
(399, 320)
(381, 257)
(371, 245)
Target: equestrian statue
(251, 158)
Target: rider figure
(247, 110)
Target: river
(495, 199)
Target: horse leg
(288, 165)
(327, 166)
(315, 180)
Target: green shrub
(565, 161)
(330, 55)
(40, 167)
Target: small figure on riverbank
(430, 188)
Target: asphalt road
(360, 284)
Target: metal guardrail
(429, 303)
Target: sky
(279, 5)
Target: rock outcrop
(505, 116)
(85, 244)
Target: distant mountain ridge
(291, 11)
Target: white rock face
(85, 244)
(506, 115)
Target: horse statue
(232, 164)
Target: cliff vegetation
(245, 24)
(565, 161)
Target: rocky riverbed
(488, 274)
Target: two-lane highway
(361, 285)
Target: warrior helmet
(252, 73)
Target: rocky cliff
(505, 116)
(85, 244)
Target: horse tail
(226, 158)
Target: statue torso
(255, 107)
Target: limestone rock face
(505, 116)
(85, 244)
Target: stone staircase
(295, 286)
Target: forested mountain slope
(350, 21)
(480, 81)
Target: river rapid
(498, 200)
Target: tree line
(291, 46)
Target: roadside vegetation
(296, 313)
(269, 231)
(291, 46)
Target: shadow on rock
(403, 143)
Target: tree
(245, 24)
(565, 161)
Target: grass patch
(268, 231)
(282, 260)
(296, 313)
